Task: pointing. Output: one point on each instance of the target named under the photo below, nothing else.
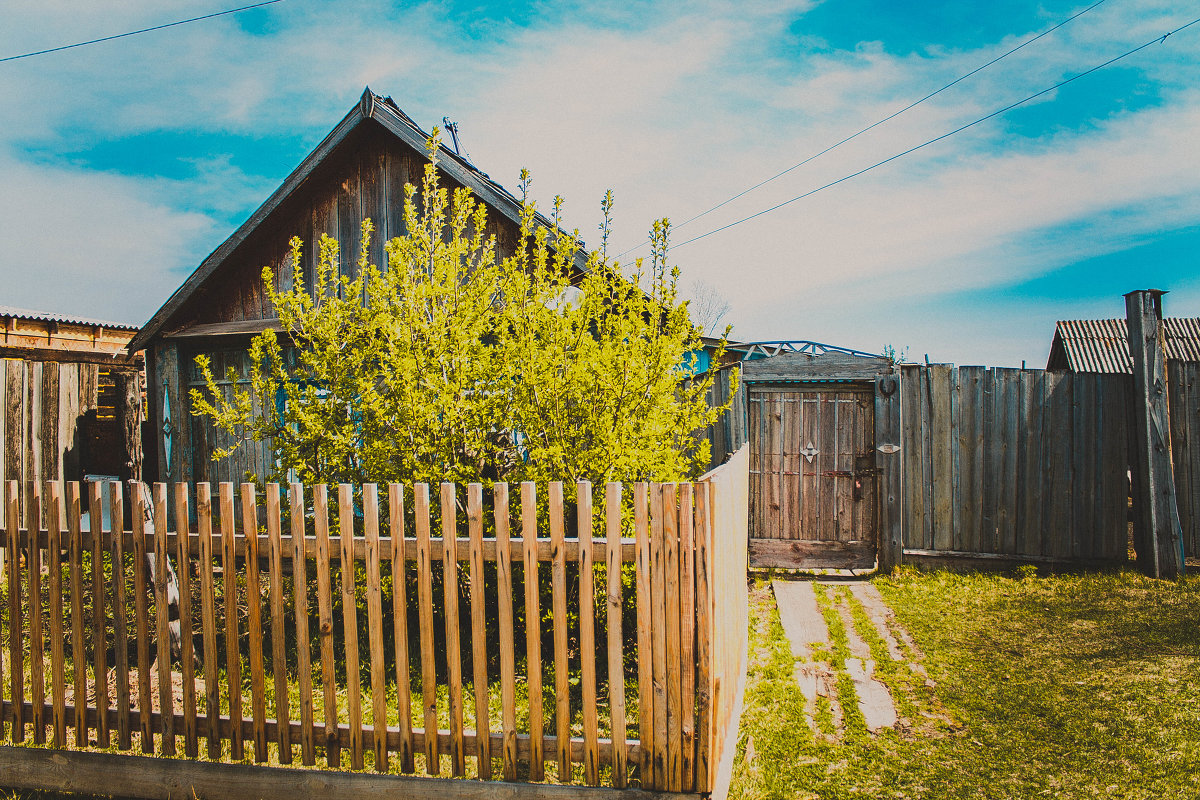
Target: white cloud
(674, 107)
(90, 244)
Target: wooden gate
(813, 502)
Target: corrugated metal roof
(1102, 345)
(46, 316)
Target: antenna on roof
(452, 127)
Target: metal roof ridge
(50, 316)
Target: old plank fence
(1014, 462)
(419, 658)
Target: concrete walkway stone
(809, 640)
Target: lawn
(1062, 686)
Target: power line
(874, 125)
(1060, 84)
(135, 33)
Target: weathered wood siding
(61, 420)
(363, 179)
(251, 458)
(729, 434)
(1183, 381)
(1022, 463)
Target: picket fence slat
(350, 626)
(141, 618)
(479, 679)
(78, 655)
(658, 637)
(645, 655)
(687, 635)
(325, 626)
(533, 630)
(208, 614)
(229, 592)
(57, 657)
(615, 640)
(120, 620)
(100, 648)
(558, 584)
(186, 643)
(166, 693)
(37, 686)
(400, 625)
(504, 607)
(16, 647)
(370, 506)
(449, 516)
(299, 557)
(670, 533)
(283, 711)
(587, 636)
(425, 603)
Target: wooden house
(357, 172)
(71, 398)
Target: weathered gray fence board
(911, 443)
(1059, 422)
(1006, 512)
(941, 455)
(1183, 379)
(970, 380)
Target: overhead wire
(960, 129)
(876, 124)
(137, 32)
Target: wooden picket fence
(257, 676)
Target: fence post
(887, 456)
(1157, 514)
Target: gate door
(812, 476)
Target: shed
(71, 398)
(1102, 345)
(357, 172)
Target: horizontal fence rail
(557, 634)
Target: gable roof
(1102, 345)
(370, 107)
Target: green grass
(1064, 686)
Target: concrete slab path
(808, 635)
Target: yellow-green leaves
(458, 363)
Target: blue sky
(123, 164)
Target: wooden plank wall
(251, 458)
(730, 434)
(687, 651)
(1183, 398)
(41, 424)
(1014, 462)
